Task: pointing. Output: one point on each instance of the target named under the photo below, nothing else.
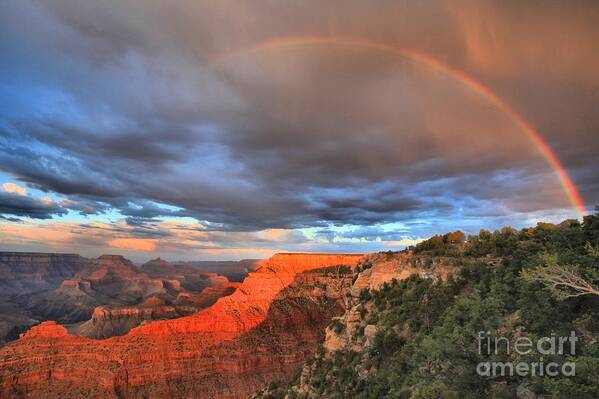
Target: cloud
(133, 243)
(17, 204)
(54, 236)
(404, 242)
(85, 206)
(165, 238)
(10, 219)
(14, 188)
(131, 116)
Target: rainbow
(484, 91)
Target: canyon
(263, 331)
(235, 271)
(101, 297)
(23, 274)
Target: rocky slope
(23, 274)
(355, 330)
(121, 296)
(262, 332)
(233, 270)
(108, 321)
(191, 279)
(105, 296)
(108, 280)
(423, 336)
(26, 272)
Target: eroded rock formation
(233, 270)
(23, 274)
(99, 297)
(262, 332)
(356, 329)
(26, 272)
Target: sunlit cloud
(140, 244)
(14, 188)
(52, 235)
(404, 242)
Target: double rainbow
(425, 59)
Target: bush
(364, 295)
(337, 326)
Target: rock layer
(260, 333)
(233, 270)
(69, 288)
(26, 272)
(355, 331)
(23, 274)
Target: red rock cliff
(261, 332)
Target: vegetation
(565, 281)
(449, 244)
(529, 283)
(331, 270)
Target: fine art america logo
(548, 350)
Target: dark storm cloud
(10, 219)
(21, 205)
(85, 206)
(122, 107)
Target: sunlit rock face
(261, 332)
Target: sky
(235, 129)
